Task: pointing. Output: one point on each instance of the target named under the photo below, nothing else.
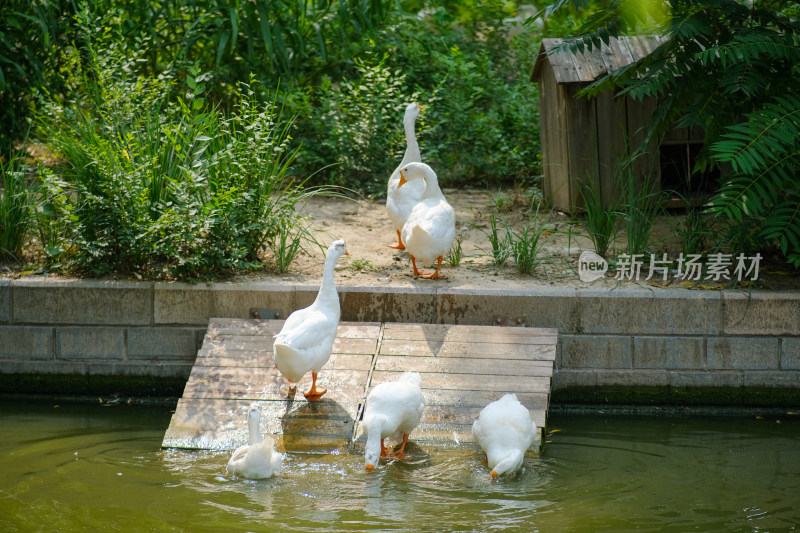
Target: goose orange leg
(400, 454)
(417, 272)
(436, 274)
(399, 244)
(314, 393)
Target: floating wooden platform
(463, 368)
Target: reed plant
(601, 220)
(499, 239)
(527, 245)
(641, 204)
(693, 231)
(456, 253)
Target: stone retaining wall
(633, 344)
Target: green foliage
(641, 204)
(693, 232)
(764, 152)
(722, 60)
(481, 125)
(30, 58)
(171, 166)
(16, 207)
(601, 221)
(357, 127)
(526, 245)
(456, 253)
(498, 240)
(166, 187)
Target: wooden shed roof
(588, 66)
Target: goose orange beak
(403, 180)
(370, 467)
(420, 107)
(493, 475)
(346, 252)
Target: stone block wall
(635, 340)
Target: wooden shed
(584, 138)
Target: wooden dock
(463, 368)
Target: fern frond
(783, 225)
(768, 134)
(750, 45)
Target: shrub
(16, 211)
(166, 187)
(356, 129)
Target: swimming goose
(305, 342)
(400, 202)
(258, 459)
(430, 229)
(393, 410)
(504, 430)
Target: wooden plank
(440, 332)
(344, 386)
(611, 145)
(269, 328)
(465, 349)
(469, 382)
(234, 343)
(465, 365)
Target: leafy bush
(357, 128)
(166, 187)
(16, 210)
(481, 123)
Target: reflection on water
(91, 468)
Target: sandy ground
(366, 228)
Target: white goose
(400, 203)
(305, 342)
(393, 410)
(257, 460)
(504, 430)
(430, 229)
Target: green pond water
(97, 468)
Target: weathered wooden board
(463, 368)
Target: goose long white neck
(327, 291)
(412, 153)
(253, 423)
(432, 189)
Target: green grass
(641, 204)
(601, 221)
(16, 208)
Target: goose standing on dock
(430, 229)
(399, 203)
(504, 430)
(305, 342)
(393, 409)
(258, 459)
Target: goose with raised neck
(305, 342)
(399, 203)
(257, 459)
